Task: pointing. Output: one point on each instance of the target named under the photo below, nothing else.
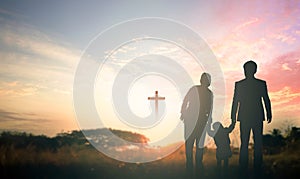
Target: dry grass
(85, 162)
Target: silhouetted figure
(247, 107)
(222, 141)
(195, 112)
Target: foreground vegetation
(69, 155)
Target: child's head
(216, 125)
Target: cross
(156, 98)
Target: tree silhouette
(273, 143)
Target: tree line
(273, 143)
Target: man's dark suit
(247, 104)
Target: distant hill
(112, 137)
(103, 136)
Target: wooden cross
(156, 98)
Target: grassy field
(26, 156)
(78, 161)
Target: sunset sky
(41, 43)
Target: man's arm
(231, 127)
(235, 104)
(267, 103)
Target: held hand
(181, 117)
(269, 120)
(233, 121)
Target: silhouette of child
(222, 141)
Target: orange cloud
(284, 96)
(286, 67)
(283, 72)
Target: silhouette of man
(247, 107)
(195, 112)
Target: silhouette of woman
(195, 112)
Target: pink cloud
(282, 76)
(284, 37)
(246, 24)
(283, 71)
